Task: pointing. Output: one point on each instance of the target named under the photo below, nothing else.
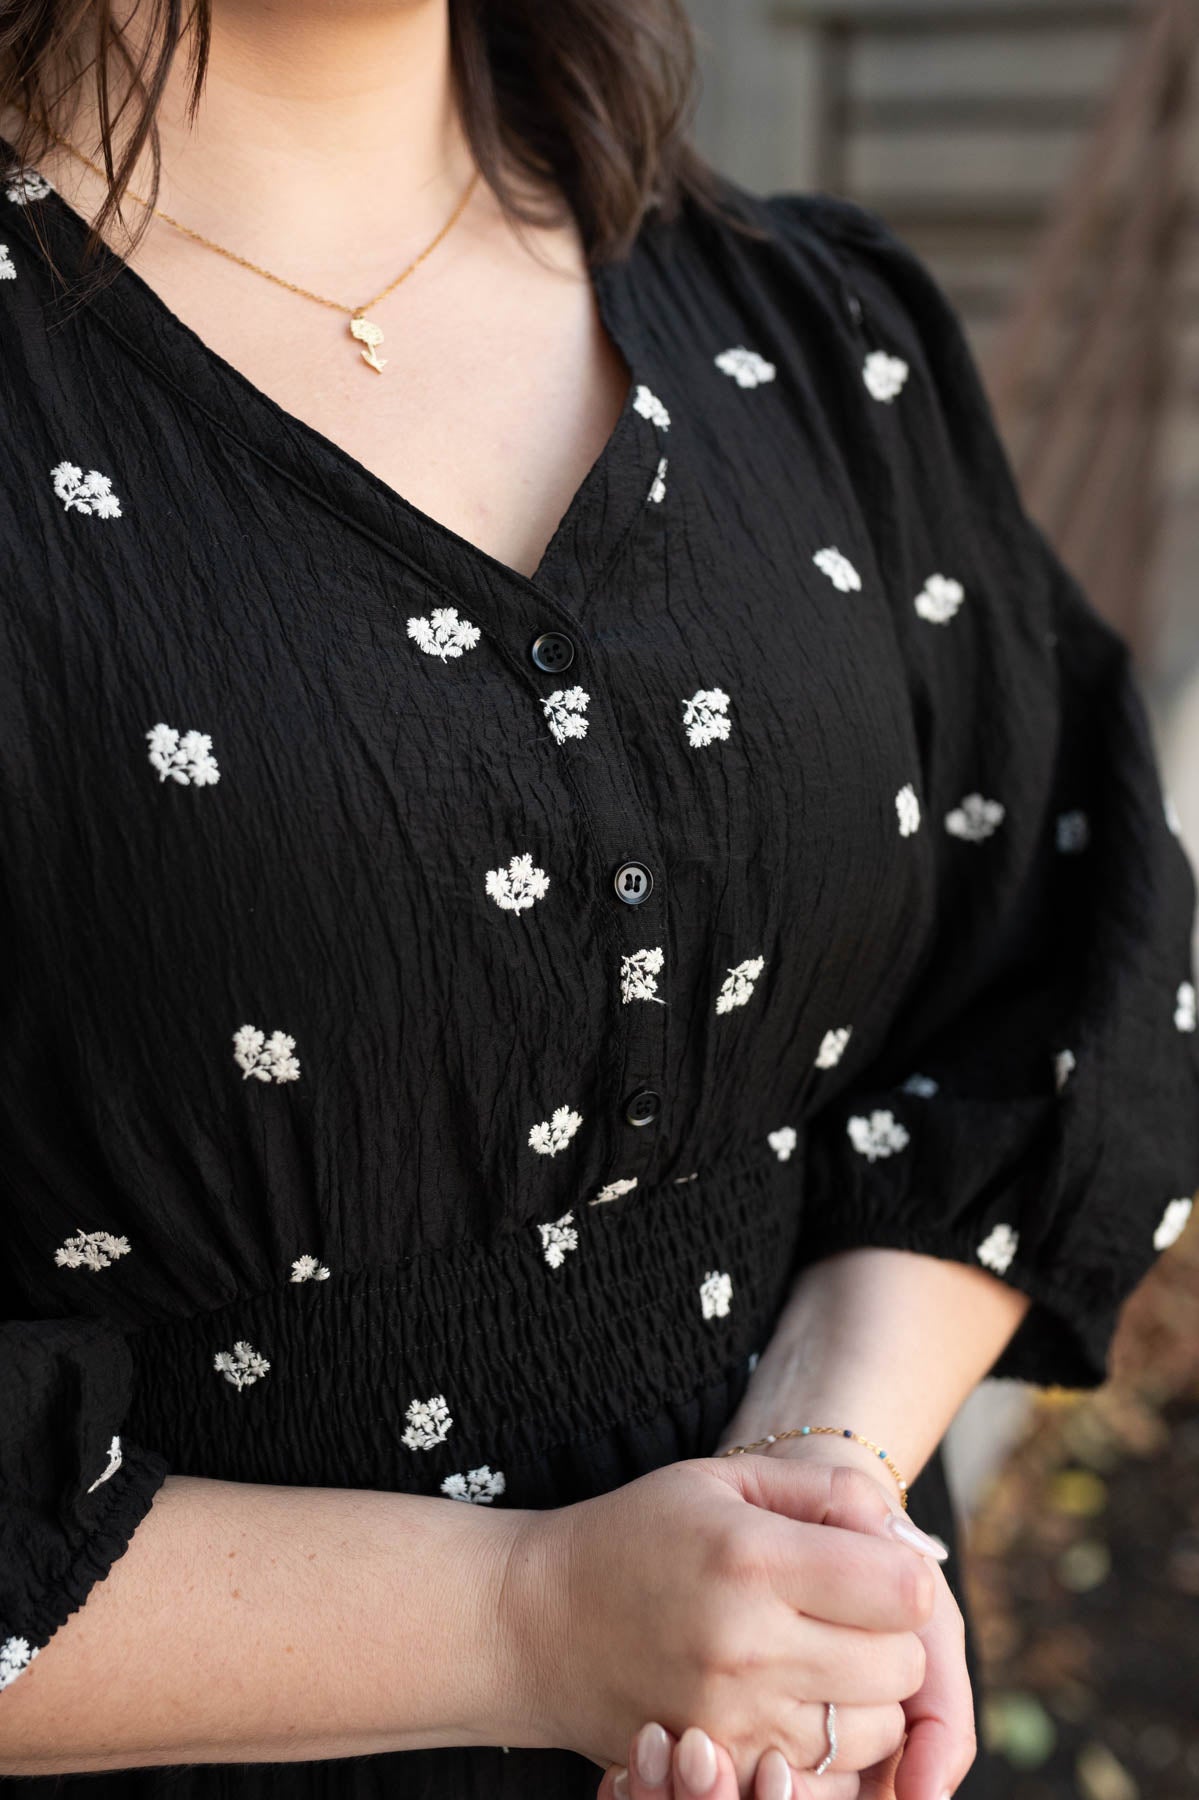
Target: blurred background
(1043, 157)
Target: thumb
(820, 1493)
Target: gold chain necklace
(364, 330)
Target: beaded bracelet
(826, 1430)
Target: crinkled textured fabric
(426, 1059)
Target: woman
(588, 893)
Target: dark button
(633, 882)
(553, 651)
(642, 1108)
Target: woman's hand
(697, 1769)
(736, 1594)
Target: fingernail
(774, 1777)
(620, 1784)
(901, 1526)
(696, 1761)
(651, 1754)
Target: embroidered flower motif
(443, 633)
(114, 1462)
(746, 367)
(242, 1366)
(24, 185)
(553, 1134)
(90, 493)
(266, 1059)
(974, 819)
(517, 886)
(614, 1190)
(939, 599)
(839, 569)
(908, 808)
(705, 717)
(879, 1135)
(480, 1486)
(93, 1250)
(1184, 1006)
(564, 709)
(998, 1248)
(832, 1046)
(15, 1657)
(1171, 814)
(752, 1360)
(651, 408)
(1072, 832)
(187, 759)
(657, 491)
(306, 1268)
(8, 269)
(715, 1293)
(429, 1423)
(1172, 1224)
(557, 1238)
(1063, 1064)
(738, 984)
(638, 974)
(783, 1141)
(884, 375)
(921, 1085)
(690, 1177)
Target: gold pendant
(370, 335)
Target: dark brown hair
(595, 95)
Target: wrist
(524, 1630)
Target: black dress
(445, 1009)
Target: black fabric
(277, 758)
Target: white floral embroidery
(922, 1085)
(242, 1366)
(657, 489)
(998, 1248)
(738, 984)
(1172, 1224)
(879, 1135)
(752, 1360)
(1171, 813)
(832, 1046)
(23, 185)
(8, 269)
(443, 633)
(715, 1293)
(266, 1059)
(15, 1657)
(90, 493)
(1064, 1064)
(114, 1462)
(651, 408)
(564, 709)
(307, 1268)
(974, 819)
(429, 1423)
(908, 808)
(1184, 1006)
(553, 1134)
(705, 717)
(185, 758)
(93, 1250)
(694, 1173)
(638, 974)
(557, 1238)
(517, 886)
(1072, 831)
(783, 1141)
(939, 599)
(746, 367)
(839, 569)
(614, 1190)
(480, 1486)
(884, 375)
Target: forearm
(250, 1623)
(886, 1342)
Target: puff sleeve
(1034, 1109)
(71, 1490)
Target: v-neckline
(610, 495)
